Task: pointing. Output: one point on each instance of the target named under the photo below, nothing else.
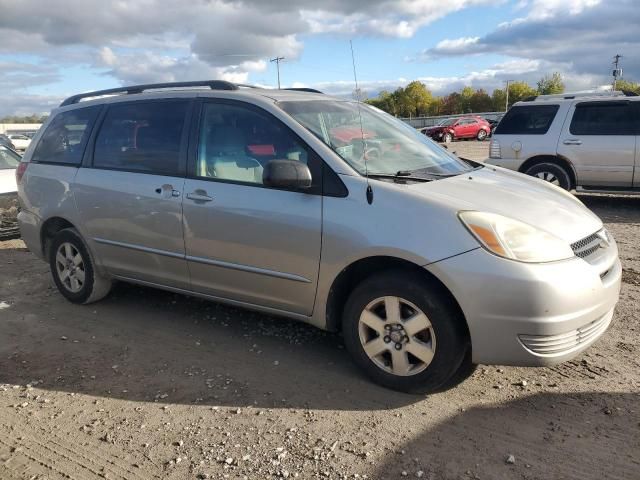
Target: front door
(130, 197)
(246, 242)
(599, 139)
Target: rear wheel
(552, 173)
(403, 333)
(73, 270)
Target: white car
(581, 141)
(21, 142)
(9, 161)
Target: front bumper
(532, 314)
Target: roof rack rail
(303, 89)
(574, 95)
(212, 84)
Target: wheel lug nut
(387, 327)
(398, 346)
(387, 339)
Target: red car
(462, 127)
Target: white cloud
(576, 37)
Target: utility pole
(277, 60)
(617, 72)
(506, 103)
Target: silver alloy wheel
(70, 267)
(482, 135)
(548, 177)
(397, 336)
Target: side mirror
(291, 174)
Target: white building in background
(20, 128)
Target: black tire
(94, 287)
(447, 322)
(481, 135)
(447, 138)
(552, 173)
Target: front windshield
(381, 145)
(448, 121)
(8, 159)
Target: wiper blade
(399, 176)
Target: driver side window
(236, 142)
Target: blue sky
(71, 46)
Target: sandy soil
(147, 384)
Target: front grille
(588, 245)
(550, 345)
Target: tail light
(22, 167)
(494, 149)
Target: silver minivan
(323, 210)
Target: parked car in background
(457, 128)
(427, 264)
(6, 141)
(21, 142)
(9, 161)
(587, 141)
(493, 122)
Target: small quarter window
(142, 137)
(66, 137)
(603, 118)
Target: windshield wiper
(399, 176)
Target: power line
(277, 60)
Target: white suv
(582, 141)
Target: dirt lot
(148, 384)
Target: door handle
(572, 141)
(199, 196)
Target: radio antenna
(364, 142)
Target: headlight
(513, 239)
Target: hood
(8, 180)
(517, 196)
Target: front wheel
(481, 135)
(447, 138)
(552, 173)
(403, 332)
(73, 270)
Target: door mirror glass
(290, 174)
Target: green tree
(498, 99)
(550, 84)
(416, 98)
(464, 105)
(436, 106)
(480, 102)
(519, 91)
(628, 85)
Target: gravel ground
(148, 384)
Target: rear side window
(66, 137)
(527, 120)
(142, 137)
(603, 118)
